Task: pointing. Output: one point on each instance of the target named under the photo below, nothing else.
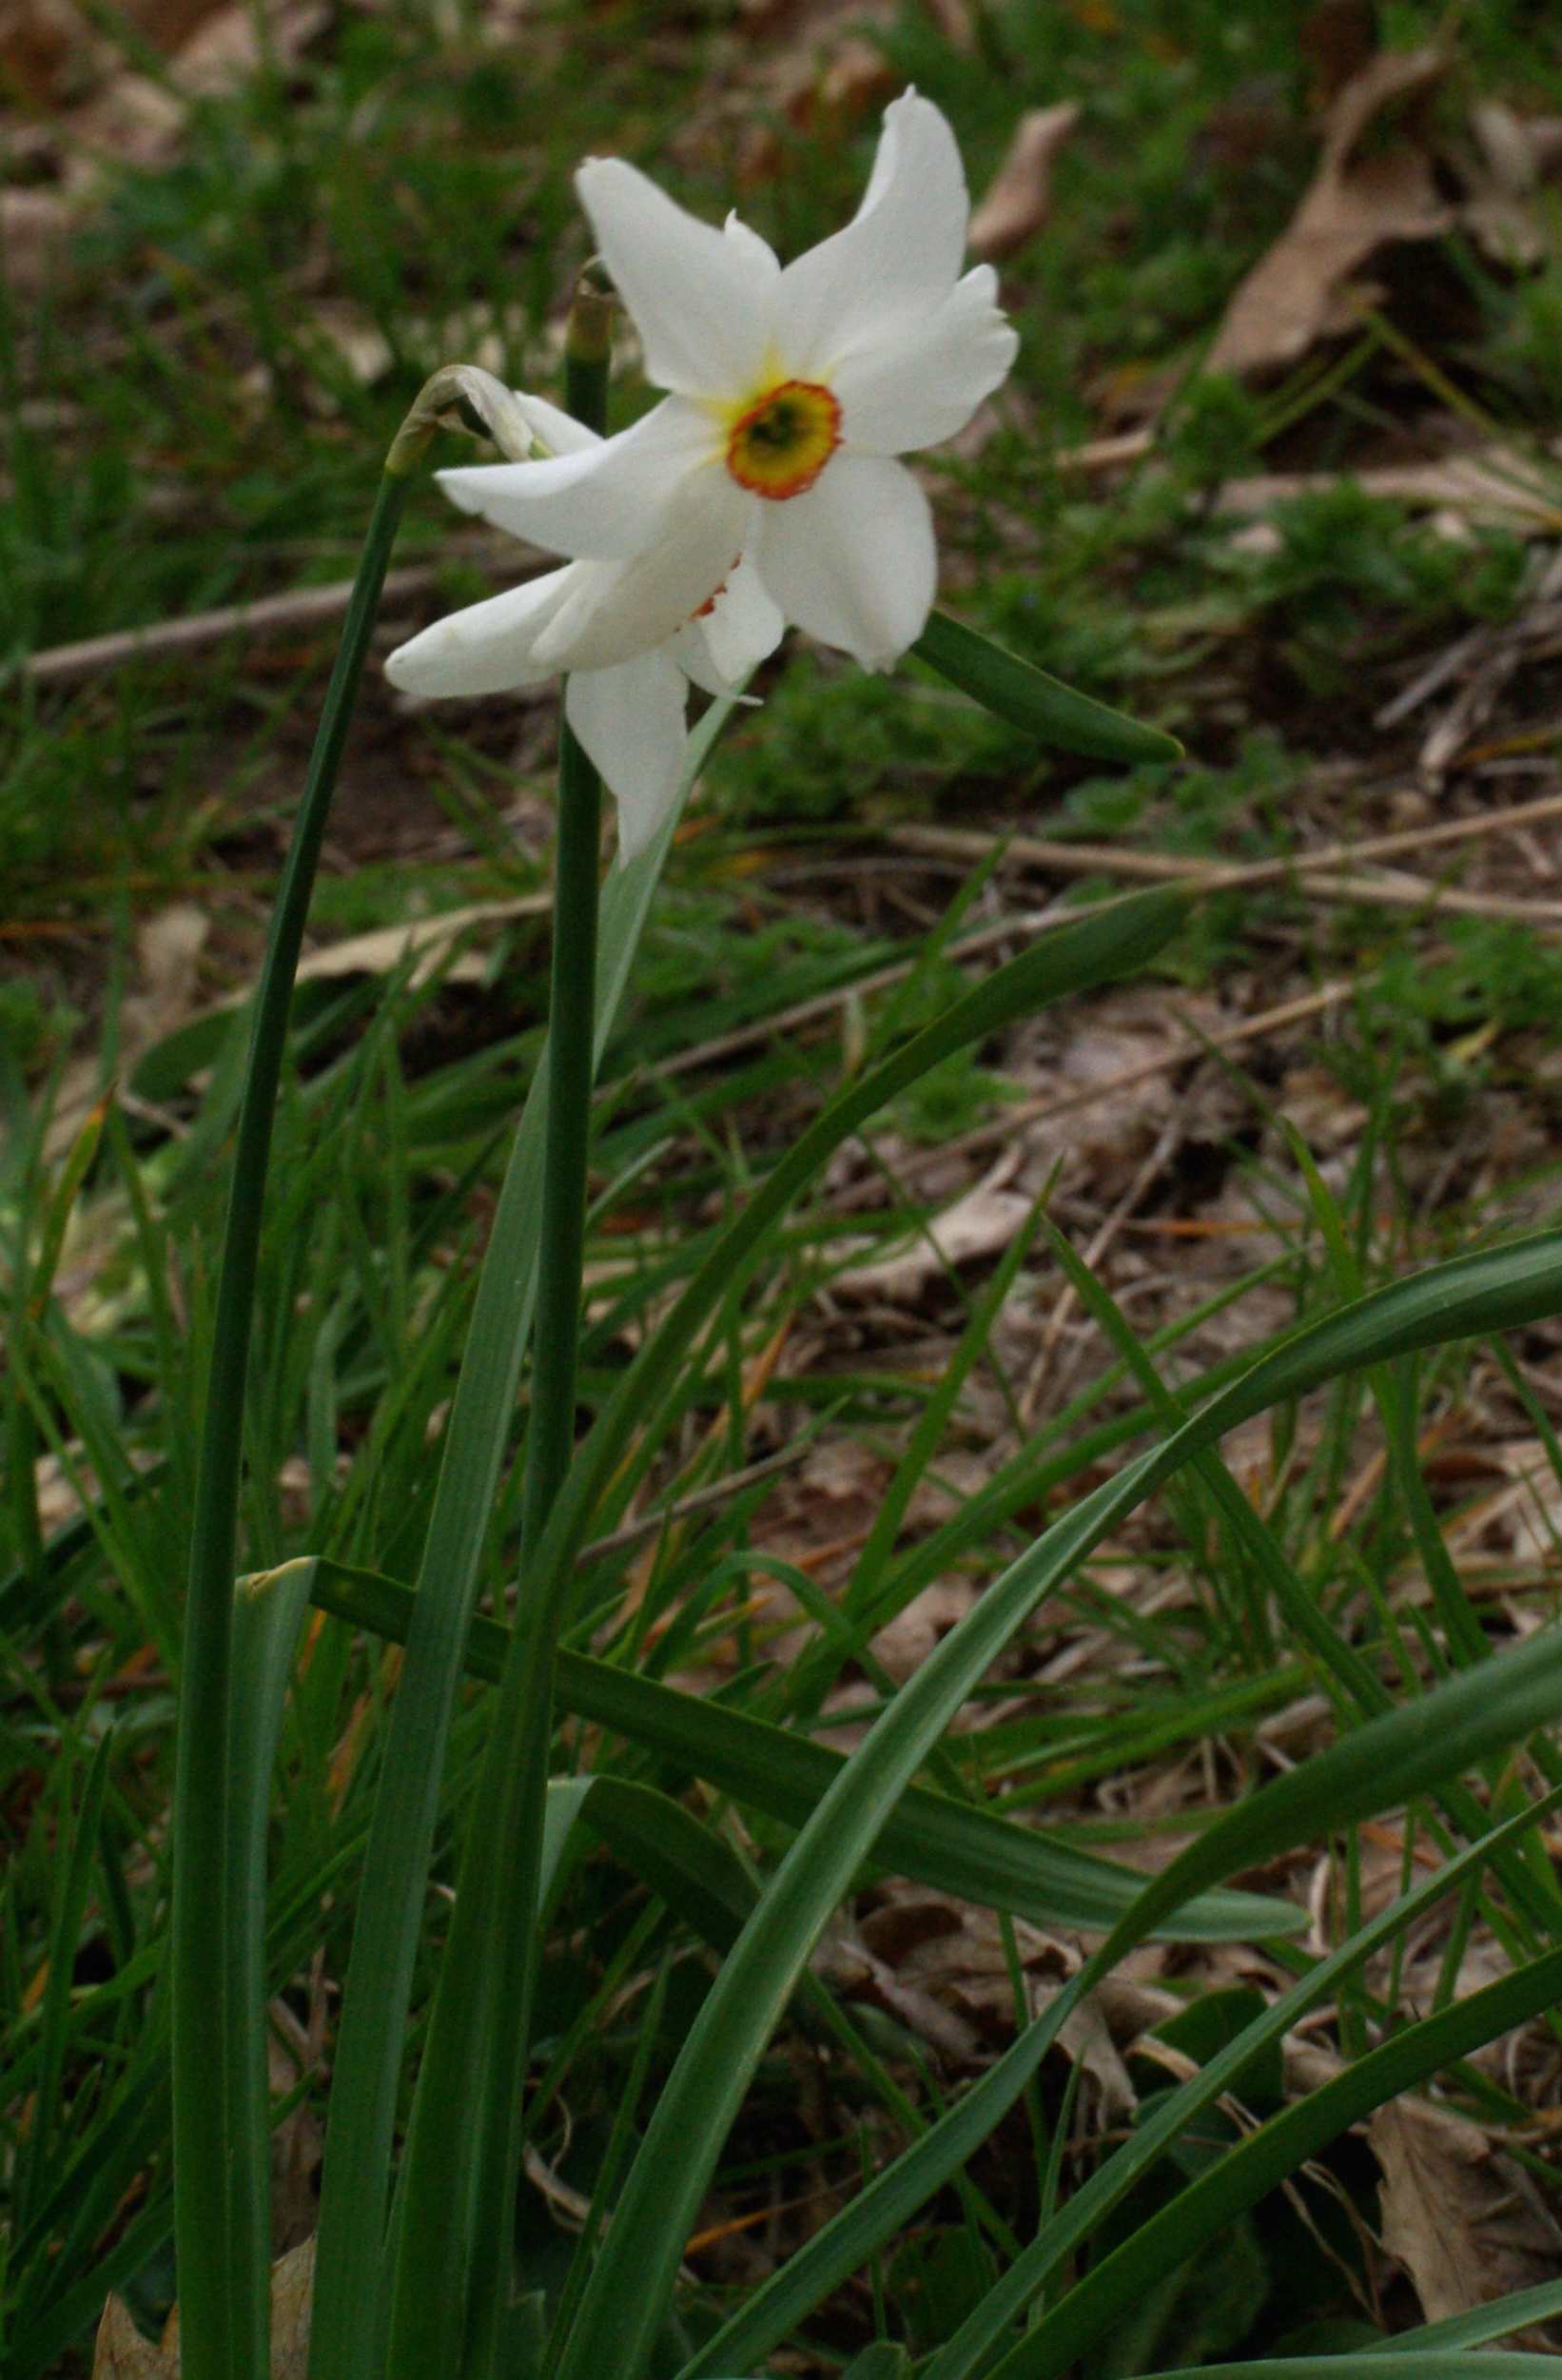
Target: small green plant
(488, 1513)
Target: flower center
(781, 443)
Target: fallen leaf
(1492, 486)
(858, 77)
(170, 23)
(34, 230)
(1452, 2211)
(131, 121)
(49, 52)
(953, 20)
(424, 939)
(1018, 198)
(297, 2140)
(1375, 183)
(122, 2354)
(1502, 179)
(982, 1223)
(168, 947)
(355, 337)
(228, 48)
(1338, 38)
(903, 1645)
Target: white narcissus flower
(764, 489)
(791, 393)
(629, 714)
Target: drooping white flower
(629, 714)
(791, 393)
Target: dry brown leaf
(170, 23)
(1452, 2212)
(298, 2143)
(168, 947)
(1018, 198)
(1502, 181)
(953, 19)
(858, 77)
(228, 50)
(212, 48)
(48, 50)
(383, 947)
(941, 1966)
(34, 232)
(1338, 38)
(357, 338)
(131, 120)
(982, 1223)
(1493, 486)
(1375, 184)
(903, 1646)
(122, 2354)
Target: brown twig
(304, 607)
(1043, 1109)
(1089, 859)
(1322, 876)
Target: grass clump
(1299, 1700)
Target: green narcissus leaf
(1038, 705)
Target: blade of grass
(370, 2046)
(221, 2159)
(940, 1841)
(1491, 2321)
(986, 2328)
(893, 2196)
(476, 2273)
(1265, 2159)
(1108, 941)
(65, 1933)
(1358, 1682)
(625, 2299)
(1029, 699)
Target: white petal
(692, 655)
(559, 432)
(602, 500)
(625, 608)
(762, 258)
(899, 257)
(923, 383)
(743, 627)
(631, 721)
(718, 648)
(488, 648)
(853, 562)
(700, 301)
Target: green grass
(220, 447)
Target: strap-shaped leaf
(940, 1841)
(1038, 705)
(1417, 1747)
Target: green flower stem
(550, 1434)
(221, 2140)
(456, 2211)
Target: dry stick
(302, 606)
(305, 607)
(1383, 890)
(697, 1500)
(1042, 1110)
(1233, 875)
(1041, 1368)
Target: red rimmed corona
(779, 445)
